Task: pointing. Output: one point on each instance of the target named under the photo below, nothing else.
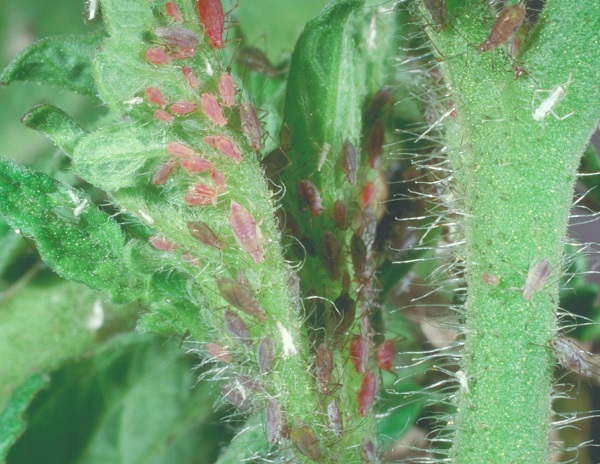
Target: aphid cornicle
(536, 279)
(212, 17)
(506, 24)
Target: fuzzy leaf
(85, 246)
(57, 125)
(60, 61)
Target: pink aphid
(212, 109)
(179, 150)
(219, 352)
(359, 349)
(323, 367)
(182, 53)
(164, 172)
(218, 179)
(366, 394)
(247, 232)
(265, 355)
(177, 36)
(275, 421)
(309, 193)
(536, 279)
(202, 195)
(385, 355)
(163, 244)
(241, 297)
(335, 418)
(238, 328)
(225, 145)
(162, 115)
(368, 194)
(251, 126)
(195, 164)
(183, 107)
(212, 17)
(190, 77)
(203, 233)
(157, 56)
(506, 24)
(227, 89)
(154, 95)
(172, 10)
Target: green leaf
(60, 61)
(12, 420)
(136, 401)
(57, 125)
(76, 239)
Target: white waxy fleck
(149, 219)
(289, 349)
(79, 208)
(209, 69)
(536, 278)
(96, 319)
(323, 155)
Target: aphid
(275, 421)
(183, 107)
(349, 161)
(197, 164)
(247, 232)
(177, 36)
(202, 195)
(437, 10)
(490, 279)
(190, 77)
(506, 24)
(191, 260)
(358, 252)
(368, 451)
(165, 171)
(274, 162)
(385, 355)
(359, 350)
(154, 95)
(162, 244)
(368, 194)
(212, 109)
(240, 296)
(366, 394)
(346, 310)
(571, 357)
(331, 254)
(340, 213)
(239, 392)
(265, 355)
(225, 145)
(335, 418)
(251, 126)
(311, 196)
(238, 328)
(218, 179)
(157, 55)
(182, 53)
(379, 100)
(375, 143)
(323, 367)
(162, 115)
(536, 278)
(547, 106)
(227, 89)
(203, 233)
(255, 60)
(173, 11)
(179, 149)
(307, 442)
(212, 17)
(323, 155)
(219, 352)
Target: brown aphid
(265, 355)
(311, 196)
(306, 441)
(323, 367)
(506, 24)
(536, 279)
(240, 296)
(274, 163)
(368, 451)
(177, 36)
(490, 279)
(219, 352)
(275, 421)
(379, 100)
(331, 255)
(164, 172)
(340, 213)
(571, 357)
(346, 311)
(251, 126)
(255, 60)
(358, 252)
(247, 232)
(437, 10)
(203, 233)
(335, 418)
(240, 391)
(375, 142)
(238, 328)
(349, 161)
